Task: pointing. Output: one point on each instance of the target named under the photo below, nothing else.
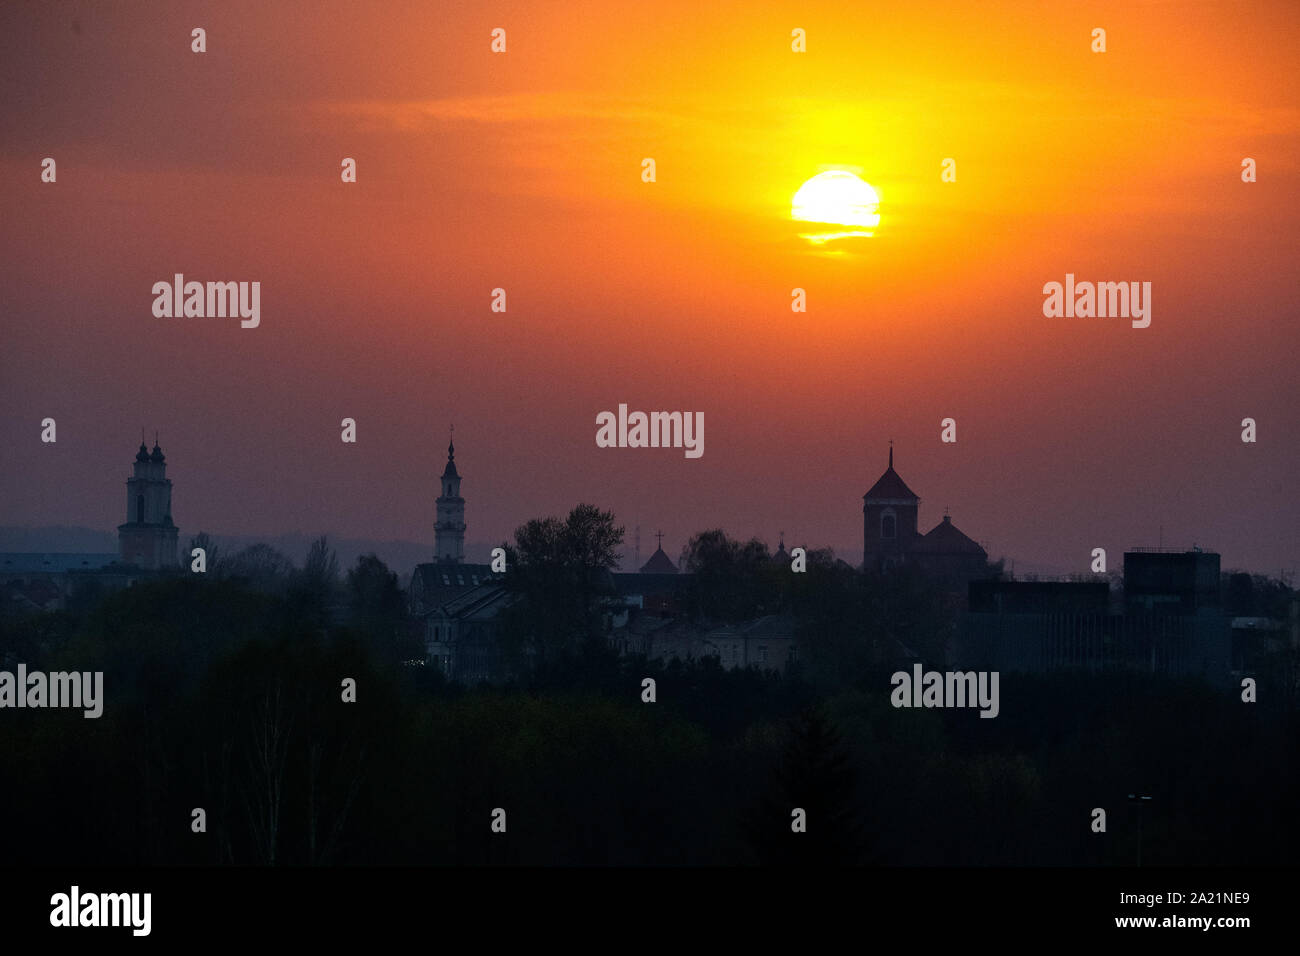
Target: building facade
(1172, 623)
(889, 519)
(148, 537)
(890, 536)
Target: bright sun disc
(836, 197)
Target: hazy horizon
(522, 171)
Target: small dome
(157, 454)
(143, 453)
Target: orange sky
(523, 171)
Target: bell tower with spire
(889, 513)
(449, 531)
(148, 538)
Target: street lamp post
(1141, 800)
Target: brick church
(890, 512)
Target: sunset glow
(523, 171)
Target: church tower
(148, 538)
(449, 531)
(889, 512)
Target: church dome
(944, 538)
(157, 455)
(143, 453)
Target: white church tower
(449, 532)
(148, 538)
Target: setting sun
(837, 197)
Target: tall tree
(314, 589)
(375, 600)
(559, 572)
(815, 776)
(731, 580)
(320, 572)
(265, 568)
(212, 554)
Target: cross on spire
(659, 536)
(891, 453)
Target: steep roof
(436, 583)
(480, 603)
(944, 538)
(659, 563)
(889, 485)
